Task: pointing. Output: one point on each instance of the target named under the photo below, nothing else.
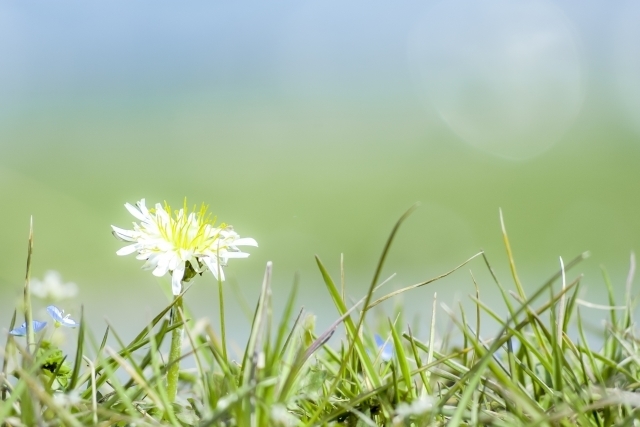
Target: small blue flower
(384, 348)
(22, 330)
(60, 319)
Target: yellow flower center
(189, 231)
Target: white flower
(180, 241)
(65, 400)
(281, 416)
(22, 330)
(60, 319)
(52, 287)
(419, 406)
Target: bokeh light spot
(505, 76)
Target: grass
(530, 373)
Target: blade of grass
(94, 391)
(296, 322)
(199, 363)
(432, 333)
(28, 315)
(472, 379)
(556, 349)
(352, 331)
(6, 353)
(365, 396)
(512, 264)
(250, 358)
(561, 307)
(20, 388)
(104, 339)
(157, 338)
(418, 360)
(163, 393)
(402, 360)
(628, 316)
(79, 352)
(40, 394)
(109, 363)
(142, 383)
(487, 357)
(253, 359)
(304, 355)
(139, 341)
(282, 327)
(417, 285)
(28, 403)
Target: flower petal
(135, 211)
(55, 313)
(236, 255)
(213, 266)
(129, 249)
(21, 331)
(58, 316)
(248, 241)
(176, 279)
(143, 208)
(122, 234)
(69, 322)
(162, 267)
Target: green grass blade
(352, 331)
(258, 328)
(7, 351)
(279, 348)
(472, 379)
(79, 352)
(104, 339)
(402, 360)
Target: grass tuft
(531, 372)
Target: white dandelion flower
(181, 243)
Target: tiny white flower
(70, 398)
(52, 287)
(174, 242)
(60, 319)
(419, 406)
(22, 330)
(281, 416)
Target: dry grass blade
(142, 383)
(417, 285)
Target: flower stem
(223, 333)
(175, 351)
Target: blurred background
(311, 127)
